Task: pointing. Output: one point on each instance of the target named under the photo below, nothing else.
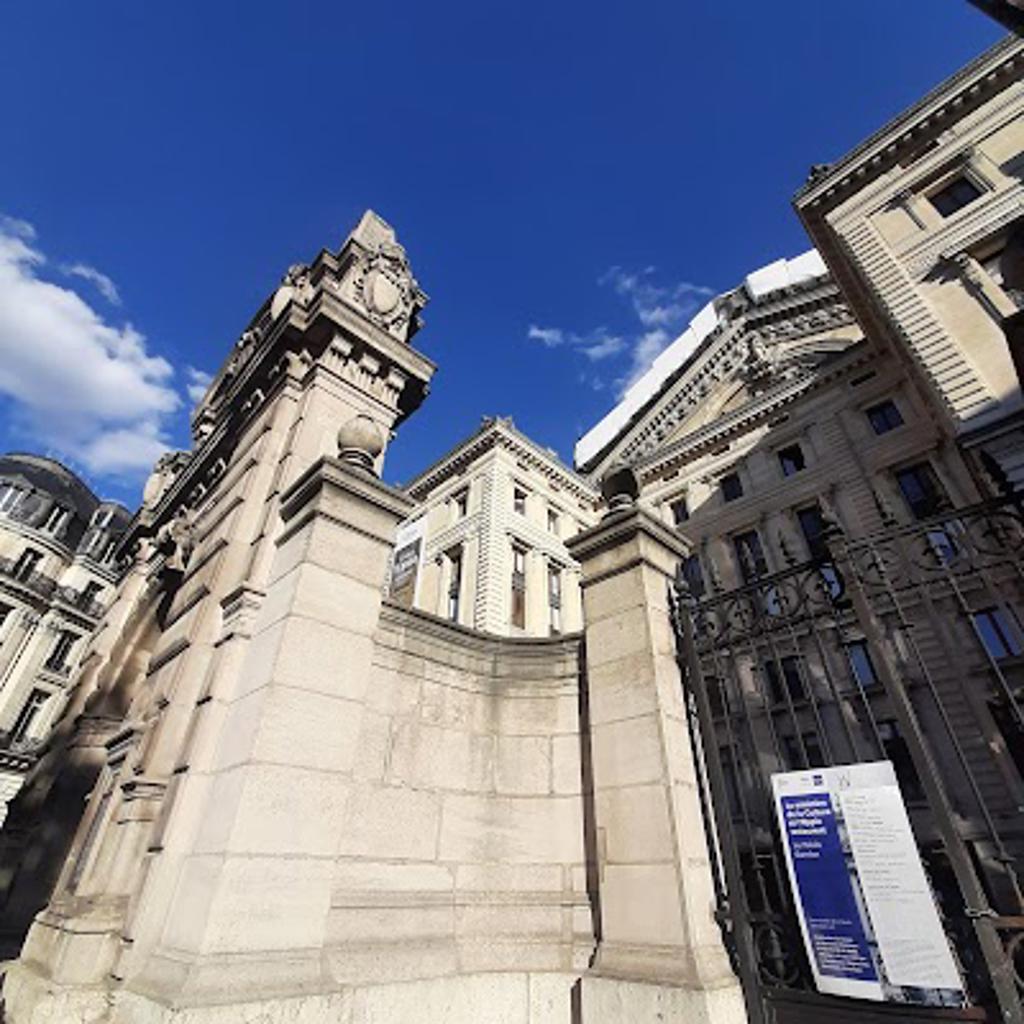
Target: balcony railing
(48, 588)
(25, 745)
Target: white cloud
(198, 382)
(106, 287)
(549, 336)
(660, 312)
(82, 387)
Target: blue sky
(571, 180)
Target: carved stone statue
(176, 539)
(167, 468)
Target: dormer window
(954, 196)
(56, 519)
(9, 497)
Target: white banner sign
(866, 910)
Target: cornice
(497, 434)
(967, 88)
(762, 407)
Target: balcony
(19, 754)
(41, 585)
(79, 601)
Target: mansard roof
(784, 302)
(52, 478)
(494, 431)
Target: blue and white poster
(868, 917)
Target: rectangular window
(26, 563)
(91, 591)
(895, 748)
(812, 526)
(9, 497)
(791, 459)
(58, 657)
(750, 556)
(884, 417)
(954, 196)
(921, 490)
(998, 632)
(518, 616)
(554, 599)
(784, 680)
(454, 584)
(553, 521)
(694, 575)
(55, 520)
(732, 486)
(461, 504)
(861, 665)
(680, 511)
(27, 715)
(519, 501)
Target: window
(784, 682)
(954, 196)
(91, 591)
(554, 599)
(895, 748)
(55, 520)
(921, 490)
(27, 715)
(58, 658)
(553, 521)
(26, 563)
(454, 583)
(717, 698)
(993, 266)
(791, 459)
(5, 610)
(518, 616)
(861, 665)
(732, 486)
(461, 504)
(812, 526)
(998, 631)
(519, 501)
(750, 555)
(9, 497)
(795, 748)
(884, 417)
(693, 574)
(680, 511)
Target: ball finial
(360, 441)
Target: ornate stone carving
(176, 539)
(385, 287)
(165, 472)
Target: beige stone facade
(489, 536)
(914, 221)
(57, 574)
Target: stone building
(486, 547)
(914, 222)
(57, 574)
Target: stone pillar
(255, 887)
(660, 956)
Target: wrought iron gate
(907, 646)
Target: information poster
(868, 917)
(406, 564)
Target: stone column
(660, 956)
